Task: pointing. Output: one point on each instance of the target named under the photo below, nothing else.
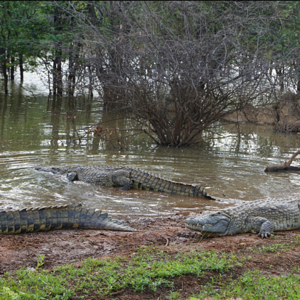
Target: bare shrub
(177, 67)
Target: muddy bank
(71, 246)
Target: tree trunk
(21, 67)
(286, 166)
(280, 73)
(3, 68)
(12, 68)
(8, 60)
(54, 72)
(59, 72)
(57, 69)
(91, 81)
(71, 72)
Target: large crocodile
(126, 178)
(260, 216)
(57, 217)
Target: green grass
(147, 269)
(253, 285)
(271, 248)
(150, 268)
(28, 284)
(275, 248)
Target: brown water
(36, 131)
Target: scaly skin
(57, 217)
(260, 216)
(126, 178)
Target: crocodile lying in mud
(260, 216)
(125, 178)
(57, 217)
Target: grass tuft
(254, 285)
(149, 268)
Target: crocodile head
(54, 170)
(210, 223)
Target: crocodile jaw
(54, 170)
(209, 222)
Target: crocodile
(260, 216)
(126, 177)
(57, 217)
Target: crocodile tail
(57, 217)
(152, 182)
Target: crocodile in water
(260, 216)
(57, 217)
(126, 178)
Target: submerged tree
(178, 67)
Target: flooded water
(37, 131)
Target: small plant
(297, 238)
(174, 296)
(271, 248)
(7, 292)
(40, 261)
(274, 248)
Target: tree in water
(178, 67)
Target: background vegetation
(175, 67)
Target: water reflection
(50, 131)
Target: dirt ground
(169, 234)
